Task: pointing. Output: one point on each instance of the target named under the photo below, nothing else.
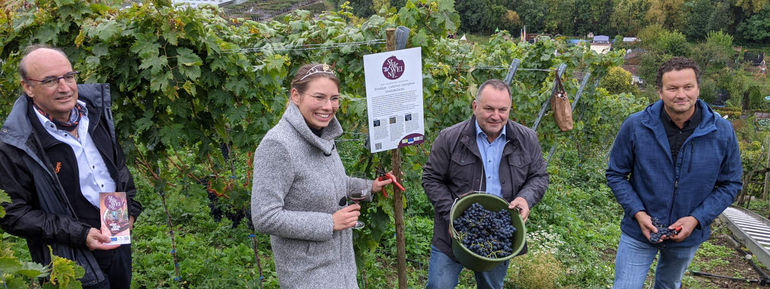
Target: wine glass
(357, 196)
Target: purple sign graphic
(113, 203)
(393, 68)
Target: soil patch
(731, 264)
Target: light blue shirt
(92, 171)
(491, 154)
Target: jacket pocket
(462, 169)
(518, 166)
(323, 254)
(518, 160)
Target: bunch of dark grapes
(663, 230)
(486, 233)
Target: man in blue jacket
(676, 163)
(57, 153)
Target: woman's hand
(377, 185)
(346, 217)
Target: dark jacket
(48, 208)
(703, 180)
(454, 168)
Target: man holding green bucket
(491, 153)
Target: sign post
(395, 118)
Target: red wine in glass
(358, 196)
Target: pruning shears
(388, 175)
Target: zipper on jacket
(689, 164)
(673, 199)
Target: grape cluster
(486, 233)
(663, 230)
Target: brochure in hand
(114, 212)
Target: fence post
(398, 203)
(767, 173)
(512, 70)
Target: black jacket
(48, 208)
(455, 167)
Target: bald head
(36, 50)
(48, 79)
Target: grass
(476, 38)
(259, 8)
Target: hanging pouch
(562, 110)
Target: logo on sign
(113, 203)
(393, 68)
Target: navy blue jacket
(703, 180)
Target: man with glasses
(58, 151)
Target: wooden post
(767, 174)
(398, 196)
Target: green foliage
(591, 16)
(186, 82)
(756, 28)
(705, 16)
(756, 99)
(720, 39)
(16, 273)
(487, 16)
(618, 80)
(661, 45)
(747, 19)
(715, 54)
(64, 273)
(734, 82)
(650, 62)
(673, 43)
(626, 18)
(668, 13)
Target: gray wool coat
(298, 183)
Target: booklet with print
(114, 212)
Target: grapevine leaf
(189, 63)
(107, 30)
(10, 265)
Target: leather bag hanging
(562, 110)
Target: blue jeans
(443, 273)
(634, 258)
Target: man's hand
(688, 225)
(98, 241)
(346, 217)
(523, 206)
(645, 223)
(131, 220)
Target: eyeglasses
(53, 81)
(322, 99)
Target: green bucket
(465, 256)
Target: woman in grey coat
(298, 183)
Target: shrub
(535, 270)
(618, 80)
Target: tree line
(747, 20)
